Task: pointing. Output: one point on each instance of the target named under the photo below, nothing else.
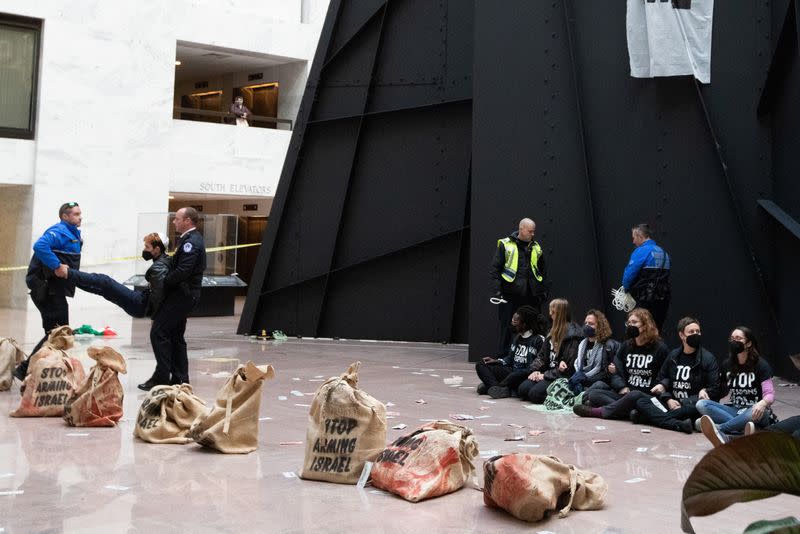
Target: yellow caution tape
(131, 258)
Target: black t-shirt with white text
(638, 367)
(744, 387)
(522, 351)
(685, 383)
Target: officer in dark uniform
(517, 277)
(182, 286)
(57, 251)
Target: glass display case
(220, 282)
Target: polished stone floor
(54, 478)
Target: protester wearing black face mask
(748, 380)
(632, 373)
(134, 303)
(595, 352)
(689, 374)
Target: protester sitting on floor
(690, 373)
(595, 352)
(556, 359)
(750, 389)
(632, 374)
(134, 303)
(501, 376)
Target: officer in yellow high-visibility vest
(518, 276)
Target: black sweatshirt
(684, 375)
(522, 351)
(547, 361)
(638, 367)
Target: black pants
(131, 301)
(506, 311)
(55, 312)
(535, 392)
(658, 309)
(649, 407)
(600, 394)
(167, 337)
(515, 378)
(622, 407)
(491, 374)
(790, 425)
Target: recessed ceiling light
(177, 62)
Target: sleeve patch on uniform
(187, 247)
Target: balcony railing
(224, 117)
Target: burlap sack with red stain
(167, 414)
(531, 486)
(432, 461)
(53, 376)
(231, 426)
(98, 400)
(10, 356)
(346, 427)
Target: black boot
(21, 370)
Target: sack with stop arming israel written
(346, 428)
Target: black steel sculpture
(429, 128)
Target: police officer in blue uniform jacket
(182, 286)
(646, 277)
(54, 253)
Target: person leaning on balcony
(240, 110)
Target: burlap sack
(10, 356)
(346, 427)
(432, 461)
(98, 400)
(167, 413)
(231, 426)
(53, 376)
(531, 486)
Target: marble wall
(15, 237)
(18, 157)
(105, 134)
(223, 159)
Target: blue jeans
(730, 419)
(134, 303)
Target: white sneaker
(697, 425)
(749, 428)
(711, 432)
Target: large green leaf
(750, 468)
(787, 525)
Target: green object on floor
(86, 329)
(277, 335)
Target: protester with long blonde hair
(557, 357)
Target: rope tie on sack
(573, 487)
